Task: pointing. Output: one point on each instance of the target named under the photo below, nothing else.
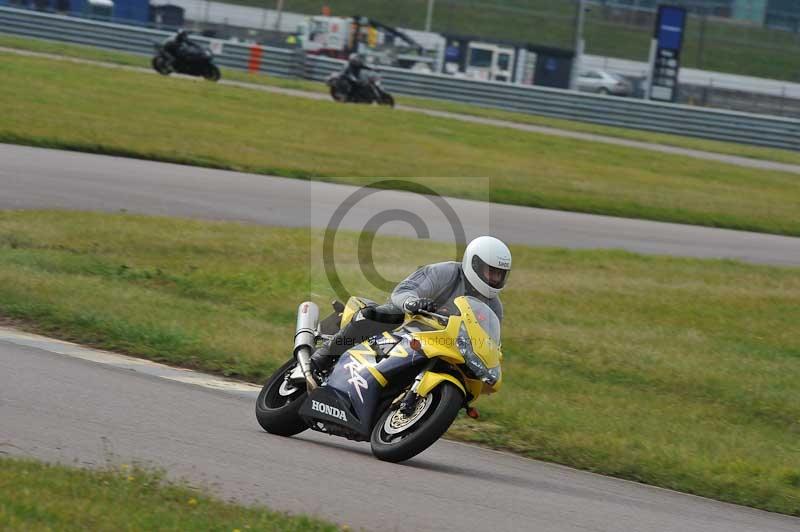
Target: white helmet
(486, 264)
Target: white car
(602, 82)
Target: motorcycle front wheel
(160, 65)
(397, 437)
(212, 73)
(278, 404)
(387, 99)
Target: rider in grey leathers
(482, 273)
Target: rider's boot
(322, 359)
(359, 329)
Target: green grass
(680, 373)
(713, 146)
(728, 148)
(726, 46)
(88, 108)
(73, 50)
(43, 497)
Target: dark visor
(494, 277)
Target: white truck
(467, 57)
(380, 44)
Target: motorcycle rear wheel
(337, 95)
(160, 65)
(277, 407)
(434, 420)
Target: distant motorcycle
(194, 60)
(343, 89)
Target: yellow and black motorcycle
(400, 390)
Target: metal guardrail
(706, 123)
(276, 61)
(713, 124)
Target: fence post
(298, 65)
(783, 98)
(701, 40)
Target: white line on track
(138, 365)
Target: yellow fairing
(353, 305)
(431, 380)
(441, 343)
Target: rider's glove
(414, 304)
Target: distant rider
(175, 47)
(355, 66)
(482, 274)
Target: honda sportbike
(400, 390)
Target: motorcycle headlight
(473, 361)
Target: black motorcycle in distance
(193, 60)
(343, 89)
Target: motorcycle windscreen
(486, 318)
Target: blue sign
(452, 53)
(669, 30)
(668, 38)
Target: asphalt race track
(90, 408)
(35, 178)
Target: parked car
(602, 82)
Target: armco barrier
(637, 114)
(135, 39)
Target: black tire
(337, 95)
(212, 73)
(278, 414)
(447, 401)
(160, 65)
(387, 99)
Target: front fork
(409, 400)
(425, 382)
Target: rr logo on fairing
(356, 379)
(328, 410)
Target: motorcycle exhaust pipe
(305, 339)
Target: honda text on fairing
(192, 60)
(369, 90)
(400, 391)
